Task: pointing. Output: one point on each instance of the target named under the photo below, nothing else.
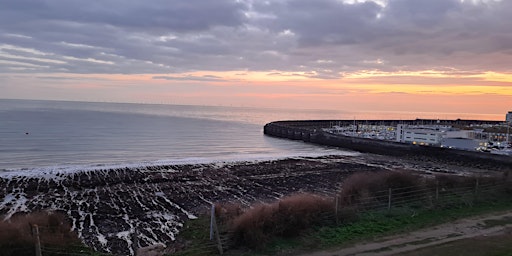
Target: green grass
(370, 225)
(381, 223)
(373, 225)
(197, 236)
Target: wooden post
(135, 241)
(389, 199)
(475, 196)
(37, 240)
(336, 210)
(212, 219)
(215, 230)
(437, 190)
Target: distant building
(508, 117)
(466, 134)
(464, 144)
(418, 136)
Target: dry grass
(365, 186)
(54, 229)
(285, 218)
(227, 212)
(362, 191)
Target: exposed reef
(107, 207)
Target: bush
(446, 181)
(371, 187)
(286, 218)
(16, 233)
(227, 212)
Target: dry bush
(299, 212)
(227, 212)
(368, 186)
(256, 226)
(54, 229)
(448, 181)
(288, 217)
(507, 175)
(403, 180)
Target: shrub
(372, 187)
(227, 212)
(285, 218)
(16, 233)
(446, 181)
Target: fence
(39, 240)
(433, 195)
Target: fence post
(475, 197)
(215, 230)
(437, 190)
(389, 199)
(38, 240)
(135, 241)
(336, 210)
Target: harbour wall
(311, 132)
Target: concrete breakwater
(311, 132)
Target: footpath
(472, 227)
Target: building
(418, 135)
(508, 117)
(466, 134)
(464, 144)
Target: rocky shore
(107, 206)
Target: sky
(439, 56)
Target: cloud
(322, 38)
(205, 78)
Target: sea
(64, 135)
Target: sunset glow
(442, 56)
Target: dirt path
(461, 229)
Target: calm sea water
(56, 134)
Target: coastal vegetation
(325, 202)
(361, 210)
(45, 232)
(369, 205)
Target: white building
(466, 134)
(418, 135)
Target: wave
(57, 172)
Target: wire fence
(433, 195)
(45, 241)
(412, 199)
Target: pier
(311, 131)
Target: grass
(195, 238)
(373, 225)
(293, 224)
(369, 226)
(16, 235)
